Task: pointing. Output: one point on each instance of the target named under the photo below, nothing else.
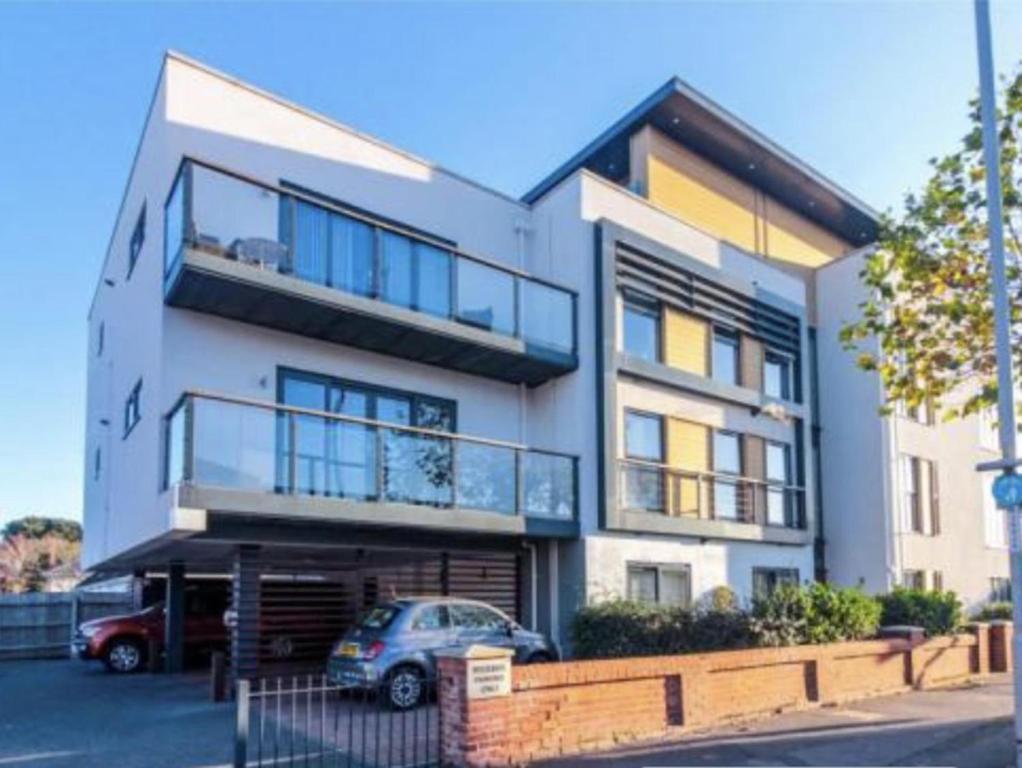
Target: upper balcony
(251, 458)
(288, 259)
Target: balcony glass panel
(174, 222)
(486, 477)
(234, 446)
(486, 297)
(547, 316)
(278, 230)
(642, 488)
(548, 485)
(286, 450)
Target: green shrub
(616, 628)
(818, 613)
(995, 612)
(939, 613)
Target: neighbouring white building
(332, 371)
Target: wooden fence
(40, 625)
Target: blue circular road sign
(1008, 490)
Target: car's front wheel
(405, 687)
(124, 656)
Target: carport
(296, 586)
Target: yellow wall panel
(707, 197)
(686, 342)
(688, 448)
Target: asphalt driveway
(71, 714)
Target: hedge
(818, 613)
(939, 613)
(996, 611)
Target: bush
(939, 613)
(818, 613)
(995, 612)
(618, 628)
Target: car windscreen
(380, 617)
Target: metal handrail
(299, 410)
(710, 475)
(367, 219)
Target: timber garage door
(302, 616)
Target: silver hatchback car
(393, 648)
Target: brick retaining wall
(583, 706)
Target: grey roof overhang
(693, 120)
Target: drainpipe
(522, 230)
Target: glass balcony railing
(650, 487)
(296, 233)
(223, 442)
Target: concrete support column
(174, 623)
(245, 604)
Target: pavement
(966, 727)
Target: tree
(36, 527)
(24, 560)
(927, 326)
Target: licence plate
(349, 650)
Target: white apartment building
(903, 501)
(320, 366)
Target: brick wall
(584, 706)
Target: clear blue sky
(865, 92)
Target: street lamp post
(1009, 485)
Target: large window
(725, 355)
(662, 584)
(641, 327)
(778, 476)
(913, 579)
(766, 580)
(777, 376)
(727, 460)
(643, 485)
(133, 408)
(337, 458)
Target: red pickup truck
(123, 642)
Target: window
(663, 584)
(133, 408)
(430, 618)
(643, 436)
(725, 355)
(778, 475)
(766, 580)
(727, 460)
(101, 339)
(922, 510)
(777, 376)
(137, 238)
(921, 413)
(913, 579)
(641, 327)
(97, 461)
(1000, 589)
(988, 436)
(937, 581)
(466, 616)
(643, 485)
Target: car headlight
(89, 631)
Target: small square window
(660, 584)
(137, 238)
(766, 580)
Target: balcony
(253, 458)
(289, 260)
(712, 504)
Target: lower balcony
(709, 504)
(231, 455)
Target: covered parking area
(296, 586)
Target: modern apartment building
(331, 371)
(904, 504)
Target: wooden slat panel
(751, 356)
